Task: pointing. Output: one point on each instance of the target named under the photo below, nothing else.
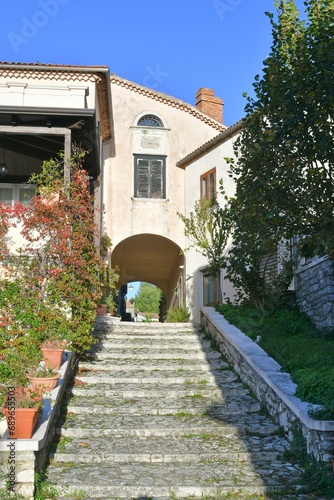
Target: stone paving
(158, 414)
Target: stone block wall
(271, 386)
(314, 285)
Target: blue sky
(173, 46)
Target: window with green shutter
(150, 176)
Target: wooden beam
(9, 129)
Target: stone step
(169, 366)
(140, 327)
(136, 377)
(231, 413)
(198, 426)
(146, 391)
(151, 345)
(135, 480)
(182, 422)
(152, 355)
(187, 337)
(148, 433)
(157, 457)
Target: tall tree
(285, 156)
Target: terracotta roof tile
(210, 145)
(168, 100)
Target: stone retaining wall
(271, 386)
(314, 284)
(30, 455)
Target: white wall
(194, 260)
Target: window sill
(150, 200)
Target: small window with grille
(149, 121)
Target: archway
(153, 259)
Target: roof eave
(210, 145)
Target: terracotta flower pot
(101, 310)
(46, 383)
(53, 357)
(21, 421)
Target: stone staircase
(157, 413)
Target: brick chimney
(209, 104)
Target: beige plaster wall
(124, 215)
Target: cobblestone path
(160, 415)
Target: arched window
(149, 121)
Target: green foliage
(208, 228)
(316, 477)
(290, 338)
(43, 490)
(50, 286)
(147, 299)
(178, 314)
(284, 157)
(5, 496)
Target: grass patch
(181, 414)
(305, 352)
(4, 495)
(44, 490)
(195, 396)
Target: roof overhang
(98, 74)
(210, 145)
(39, 132)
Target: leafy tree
(208, 228)
(284, 157)
(148, 298)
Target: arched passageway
(154, 259)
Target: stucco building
(136, 138)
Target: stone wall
(314, 284)
(271, 386)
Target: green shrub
(178, 314)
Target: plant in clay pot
(20, 404)
(21, 409)
(53, 350)
(44, 377)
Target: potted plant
(101, 308)
(43, 376)
(21, 409)
(53, 350)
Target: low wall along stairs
(159, 414)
